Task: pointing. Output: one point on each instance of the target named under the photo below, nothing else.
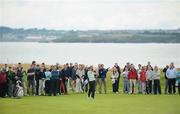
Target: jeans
(102, 81)
(143, 86)
(126, 86)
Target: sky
(90, 14)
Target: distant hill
(96, 36)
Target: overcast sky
(90, 14)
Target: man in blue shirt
(171, 75)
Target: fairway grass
(102, 104)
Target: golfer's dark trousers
(91, 89)
(171, 85)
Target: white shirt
(91, 75)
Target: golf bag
(18, 89)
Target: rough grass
(103, 104)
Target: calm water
(89, 53)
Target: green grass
(103, 104)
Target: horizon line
(39, 28)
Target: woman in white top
(156, 78)
(114, 78)
(126, 81)
(80, 77)
(149, 74)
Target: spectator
(3, 82)
(48, 82)
(132, 76)
(166, 79)
(37, 76)
(178, 80)
(126, 81)
(24, 82)
(80, 78)
(156, 79)
(139, 81)
(11, 81)
(114, 78)
(31, 80)
(54, 80)
(171, 75)
(119, 72)
(149, 74)
(102, 74)
(143, 80)
(41, 81)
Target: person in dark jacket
(85, 85)
(165, 79)
(19, 71)
(37, 75)
(119, 72)
(73, 78)
(31, 80)
(41, 81)
(128, 66)
(102, 75)
(11, 81)
(54, 81)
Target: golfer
(91, 77)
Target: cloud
(91, 14)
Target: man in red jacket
(3, 83)
(132, 76)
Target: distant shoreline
(89, 36)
